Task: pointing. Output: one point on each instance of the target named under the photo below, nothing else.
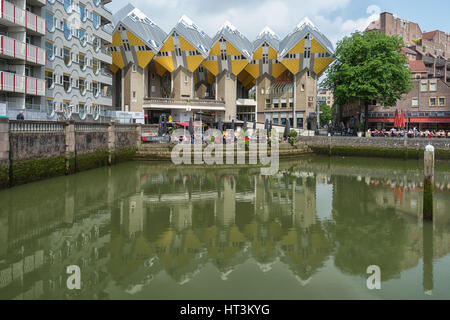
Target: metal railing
(86, 127)
(35, 126)
(125, 127)
(21, 17)
(187, 102)
(439, 73)
(428, 60)
(440, 62)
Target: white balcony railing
(12, 82)
(20, 50)
(18, 16)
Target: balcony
(14, 49)
(12, 82)
(15, 16)
(440, 73)
(104, 12)
(103, 33)
(105, 56)
(427, 60)
(246, 102)
(184, 104)
(37, 3)
(440, 62)
(105, 76)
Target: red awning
(430, 120)
(412, 120)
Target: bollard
(428, 183)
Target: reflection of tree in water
(367, 234)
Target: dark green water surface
(149, 230)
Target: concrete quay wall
(35, 150)
(411, 148)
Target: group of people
(411, 133)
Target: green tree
(326, 114)
(369, 67)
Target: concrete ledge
(377, 147)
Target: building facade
(427, 105)
(187, 74)
(325, 96)
(22, 57)
(78, 75)
(433, 47)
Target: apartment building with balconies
(78, 75)
(22, 57)
(188, 74)
(433, 47)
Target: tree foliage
(326, 114)
(369, 66)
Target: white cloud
(251, 16)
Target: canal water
(150, 230)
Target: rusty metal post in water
(428, 183)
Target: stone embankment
(35, 150)
(159, 152)
(411, 148)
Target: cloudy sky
(335, 18)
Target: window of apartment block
(67, 57)
(186, 79)
(82, 84)
(433, 86)
(50, 21)
(49, 49)
(268, 104)
(95, 65)
(49, 78)
(415, 102)
(134, 94)
(95, 89)
(284, 105)
(441, 101)
(432, 102)
(262, 91)
(153, 89)
(66, 82)
(265, 58)
(223, 54)
(303, 87)
(424, 86)
(74, 57)
(275, 105)
(133, 68)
